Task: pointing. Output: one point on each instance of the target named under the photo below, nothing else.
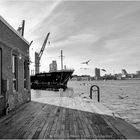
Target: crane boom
(43, 46)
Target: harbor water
(120, 96)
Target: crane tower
(39, 55)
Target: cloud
(32, 11)
(107, 32)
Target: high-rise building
(124, 73)
(97, 73)
(138, 74)
(53, 66)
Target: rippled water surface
(121, 96)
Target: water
(120, 96)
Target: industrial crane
(39, 55)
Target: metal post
(98, 92)
(61, 59)
(23, 26)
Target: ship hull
(51, 80)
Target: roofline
(10, 27)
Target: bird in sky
(103, 70)
(86, 62)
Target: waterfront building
(138, 74)
(81, 78)
(97, 74)
(14, 68)
(124, 73)
(53, 66)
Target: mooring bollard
(98, 91)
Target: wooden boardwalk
(64, 118)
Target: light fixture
(20, 56)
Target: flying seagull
(103, 70)
(86, 62)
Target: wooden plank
(122, 128)
(101, 128)
(83, 124)
(58, 124)
(89, 127)
(79, 125)
(72, 132)
(36, 134)
(49, 124)
(75, 125)
(75, 119)
(62, 127)
(67, 123)
(15, 125)
(49, 114)
(26, 126)
(35, 123)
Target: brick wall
(1, 105)
(11, 43)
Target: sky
(107, 32)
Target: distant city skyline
(107, 32)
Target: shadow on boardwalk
(41, 121)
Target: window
(25, 74)
(15, 72)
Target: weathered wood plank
(58, 124)
(50, 123)
(79, 125)
(67, 124)
(25, 127)
(62, 127)
(65, 118)
(36, 123)
(15, 126)
(49, 114)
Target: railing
(92, 89)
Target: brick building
(14, 68)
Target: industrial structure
(14, 68)
(39, 55)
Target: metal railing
(92, 89)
